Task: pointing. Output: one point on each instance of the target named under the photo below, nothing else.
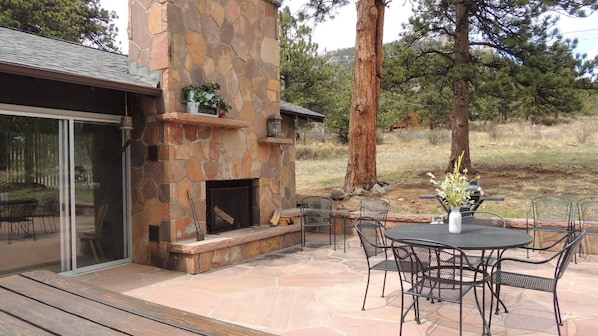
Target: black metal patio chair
(376, 207)
(550, 213)
(527, 280)
(317, 211)
(587, 219)
(371, 235)
(437, 272)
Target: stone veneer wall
(233, 43)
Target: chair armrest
(565, 237)
(500, 261)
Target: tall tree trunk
(460, 114)
(361, 165)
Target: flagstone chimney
(174, 154)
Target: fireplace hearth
(229, 205)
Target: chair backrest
(376, 207)
(482, 218)
(436, 266)
(568, 253)
(551, 209)
(317, 209)
(405, 261)
(587, 211)
(371, 234)
(52, 205)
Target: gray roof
(300, 112)
(30, 54)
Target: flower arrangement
(455, 189)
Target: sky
(340, 32)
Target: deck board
(64, 306)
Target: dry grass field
(515, 160)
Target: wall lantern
(126, 122)
(274, 123)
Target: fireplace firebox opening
(229, 205)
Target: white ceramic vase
(454, 220)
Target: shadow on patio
(319, 291)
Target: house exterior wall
(230, 42)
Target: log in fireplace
(229, 205)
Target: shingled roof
(32, 55)
(300, 112)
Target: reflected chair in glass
(372, 206)
(317, 211)
(18, 214)
(549, 214)
(93, 237)
(527, 280)
(48, 210)
(437, 272)
(371, 235)
(587, 218)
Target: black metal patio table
(472, 236)
(487, 239)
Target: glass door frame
(67, 121)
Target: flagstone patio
(319, 292)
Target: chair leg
(498, 300)
(557, 315)
(93, 250)
(10, 231)
(384, 282)
(557, 312)
(402, 314)
(100, 249)
(33, 228)
(366, 289)
(345, 228)
(333, 228)
(302, 237)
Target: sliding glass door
(98, 193)
(62, 187)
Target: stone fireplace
(179, 158)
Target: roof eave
(303, 116)
(70, 78)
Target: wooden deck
(44, 303)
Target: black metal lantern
(274, 126)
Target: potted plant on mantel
(203, 99)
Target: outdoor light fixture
(274, 123)
(126, 122)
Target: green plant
(205, 94)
